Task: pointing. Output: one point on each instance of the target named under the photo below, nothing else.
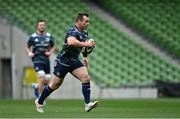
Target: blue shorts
(42, 67)
(61, 69)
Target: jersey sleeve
(30, 41)
(51, 42)
(73, 33)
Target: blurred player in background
(39, 47)
(68, 61)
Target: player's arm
(28, 48)
(29, 51)
(51, 47)
(72, 41)
(51, 51)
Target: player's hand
(90, 43)
(31, 54)
(85, 61)
(47, 53)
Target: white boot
(39, 107)
(91, 105)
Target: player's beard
(85, 27)
(41, 31)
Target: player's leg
(38, 87)
(54, 83)
(45, 77)
(56, 80)
(43, 71)
(41, 79)
(36, 90)
(47, 73)
(81, 73)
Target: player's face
(85, 22)
(41, 27)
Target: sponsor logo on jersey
(36, 40)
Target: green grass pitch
(122, 108)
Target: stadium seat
(117, 60)
(148, 18)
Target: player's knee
(41, 74)
(55, 83)
(86, 79)
(42, 81)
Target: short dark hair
(80, 16)
(40, 20)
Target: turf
(131, 108)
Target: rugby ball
(88, 50)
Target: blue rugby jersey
(69, 54)
(40, 44)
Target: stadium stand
(156, 19)
(117, 60)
